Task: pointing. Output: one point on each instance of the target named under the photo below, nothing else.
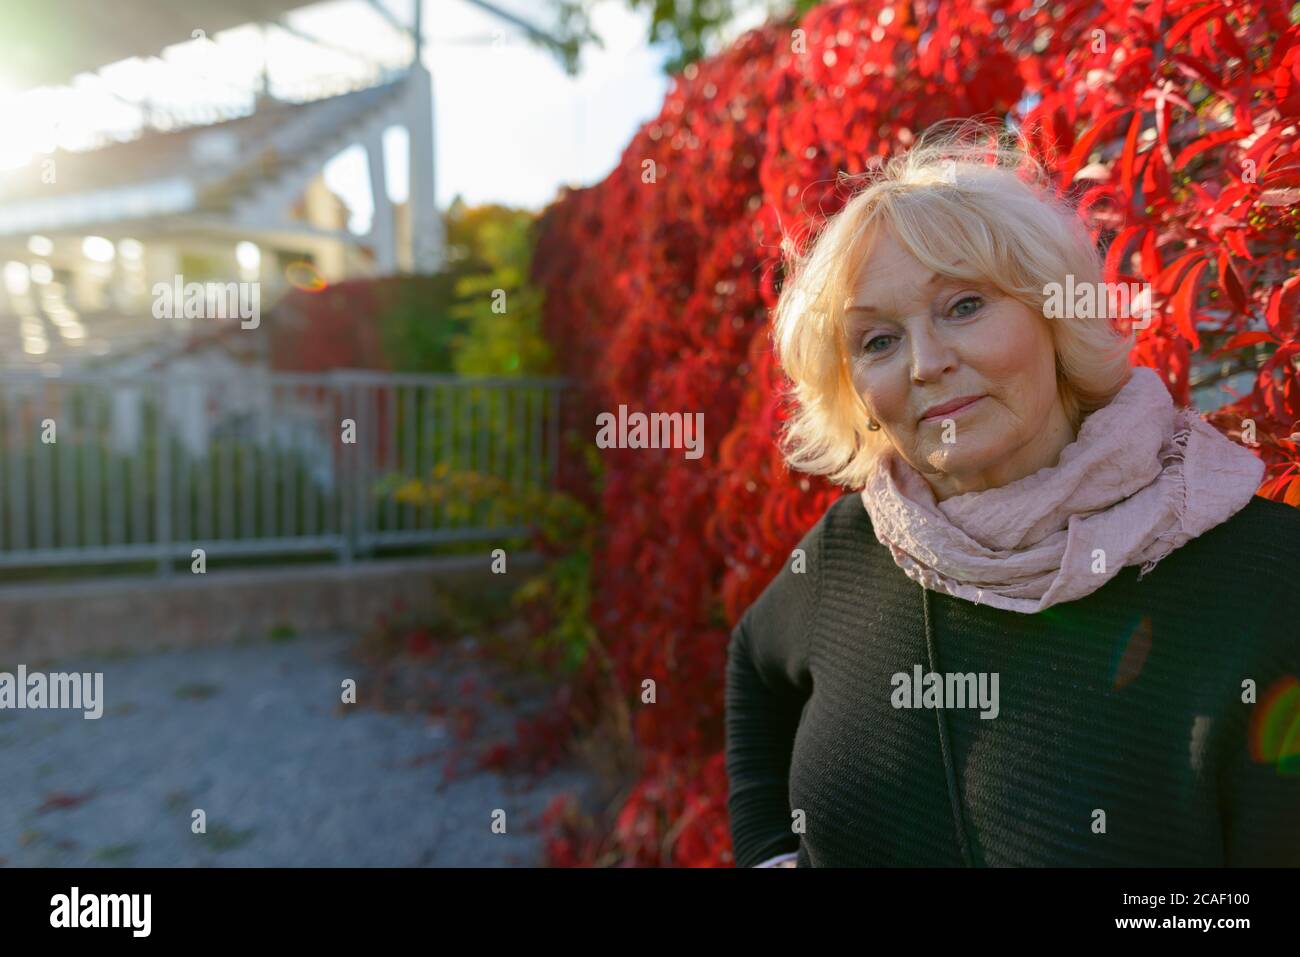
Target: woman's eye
(876, 343)
(973, 302)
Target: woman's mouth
(945, 409)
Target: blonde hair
(969, 194)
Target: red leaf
(1273, 486)
(1084, 144)
(1292, 496)
(1094, 196)
(1151, 261)
(1167, 280)
(1140, 58)
(1189, 22)
(1241, 340)
(1230, 283)
(1261, 151)
(1203, 144)
(1115, 252)
(1184, 303)
(1283, 308)
(1130, 151)
(1281, 170)
(1228, 40)
(1236, 239)
(1198, 69)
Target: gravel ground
(255, 736)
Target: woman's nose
(931, 356)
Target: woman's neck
(1043, 450)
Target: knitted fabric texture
(1131, 701)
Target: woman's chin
(961, 467)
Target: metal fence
(100, 468)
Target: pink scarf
(1141, 479)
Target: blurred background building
(283, 151)
(210, 166)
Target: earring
(873, 425)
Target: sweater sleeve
(768, 683)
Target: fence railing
(97, 468)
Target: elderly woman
(1050, 623)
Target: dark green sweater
(1127, 701)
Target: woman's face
(961, 379)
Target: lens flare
(1275, 727)
(303, 275)
(1132, 654)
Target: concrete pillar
(427, 240)
(382, 226)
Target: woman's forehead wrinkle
(868, 307)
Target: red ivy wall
(1175, 123)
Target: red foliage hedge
(318, 330)
(1174, 123)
